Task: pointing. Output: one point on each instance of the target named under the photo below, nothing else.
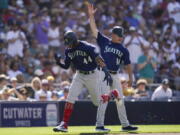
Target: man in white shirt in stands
(173, 8)
(163, 91)
(54, 34)
(16, 40)
(135, 42)
(43, 94)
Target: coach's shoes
(61, 128)
(129, 128)
(102, 129)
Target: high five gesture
(91, 12)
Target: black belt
(113, 72)
(86, 72)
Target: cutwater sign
(28, 114)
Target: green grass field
(76, 130)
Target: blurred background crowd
(31, 31)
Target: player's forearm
(100, 62)
(64, 65)
(93, 26)
(129, 70)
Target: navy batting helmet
(70, 38)
(118, 30)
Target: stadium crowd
(32, 31)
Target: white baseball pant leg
(75, 88)
(80, 80)
(120, 104)
(103, 89)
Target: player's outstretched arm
(91, 12)
(58, 59)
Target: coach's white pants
(119, 104)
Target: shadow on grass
(100, 133)
(132, 132)
(93, 133)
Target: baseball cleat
(129, 128)
(61, 128)
(102, 129)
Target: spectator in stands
(146, 66)
(135, 43)
(154, 48)
(2, 45)
(64, 75)
(34, 49)
(36, 84)
(175, 77)
(132, 21)
(51, 83)
(16, 40)
(13, 82)
(3, 81)
(43, 94)
(172, 25)
(3, 63)
(174, 10)
(20, 78)
(29, 73)
(41, 28)
(47, 70)
(39, 73)
(126, 91)
(64, 84)
(162, 92)
(162, 73)
(14, 69)
(65, 93)
(55, 96)
(140, 91)
(8, 94)
(54, 34)
(25, 94)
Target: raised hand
(91, 10)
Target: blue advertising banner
(26, 114)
